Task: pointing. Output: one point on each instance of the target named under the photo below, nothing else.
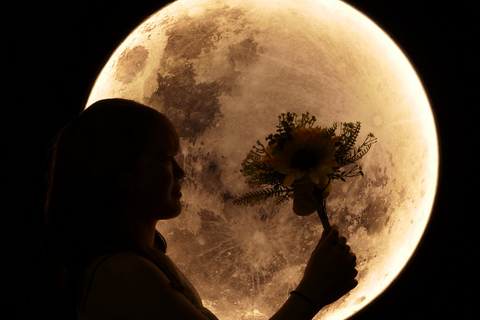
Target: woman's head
(95, 163)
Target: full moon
(223, 71)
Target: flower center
(304, 159)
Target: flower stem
(322, 213)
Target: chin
(171, 212)
(176, 214)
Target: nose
(178, 172)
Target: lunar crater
(131, 63)
(242, 54)
(192, 107)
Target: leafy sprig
(347, 154)
(260, 175)
(280, 192)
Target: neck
(144, 232)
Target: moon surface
(223, 71)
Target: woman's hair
(87, 156)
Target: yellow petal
(284, 169)
(299, 175)
(288, 180)
(291, 177)
(314, 176)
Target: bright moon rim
(223, 71)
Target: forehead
(162, 134)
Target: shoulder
(121, 268)
(117, 264)
(127, 285)
(115, 279)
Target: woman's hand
(330, 272)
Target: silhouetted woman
(113, 176)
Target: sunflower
(307, 158)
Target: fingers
(331, 269)
(342, 245)
(348, 286)
(333, 239)
(325, 234)
(332, 236)
(353, 260)
(347, 258)
(352, 274)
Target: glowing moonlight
(223, 71)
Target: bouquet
(301, 161)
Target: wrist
(310, 294)
(296, 308)
(313, 306)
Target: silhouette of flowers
(301, 156)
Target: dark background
(51, 53)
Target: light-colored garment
(188, 291)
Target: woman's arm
(295, 308)
(330, 273)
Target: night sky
(51, 54)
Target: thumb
(332, 236)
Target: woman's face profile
(154, 181)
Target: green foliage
(347, 154)
(259, 175)
(281, 193)
(256, 173)
(287, 123)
